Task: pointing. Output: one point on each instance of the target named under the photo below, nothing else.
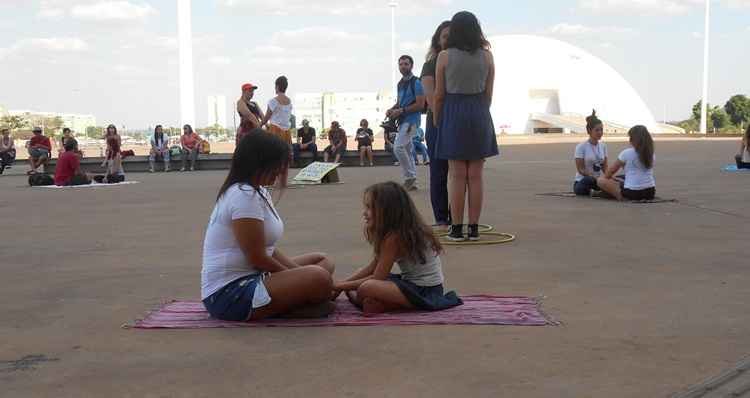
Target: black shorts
(639, 194)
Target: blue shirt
(407, 96)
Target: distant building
(346, 108)
(75, 122)
(217, 111)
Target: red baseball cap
(248, 86)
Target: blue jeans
(297, 148)
(403, 148)
(438, 178)
(584, 187)
(420, 148)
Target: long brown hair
(641, 140)
(466, 33)
(435, 46)
(394, 213)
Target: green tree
(14, 122)
(53, 125)
(738, 109)
(697, 110)
(94, 132)
(719, 118)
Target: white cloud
(220, 60)
(412, 46)
(64, 44)
(51, 13)
(640, 7)
(112, 11)
(39, 48)
(736, 3)
(565, 29)
(330, 7)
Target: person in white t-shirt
(590, 157)
(743, 158)
(245, 276)
(638, 162)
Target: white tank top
(282, 114)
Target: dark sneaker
(473, 232)
(456, 233)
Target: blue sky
(118, 59)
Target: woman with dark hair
(398, 235)
(190, 142)
(159, 149)
(113, 161)
(438, 167)
(638, 161)
(279, 114)
(743, 158)
(245, 276)
(464, 80)
(590, 157)
(364, 139)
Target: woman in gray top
(463, 93)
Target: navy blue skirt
(426, 298)
(466, 130)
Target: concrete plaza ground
(654, 298)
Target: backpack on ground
(40, 179)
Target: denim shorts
(37, 153)
(237, 299)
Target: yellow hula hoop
(483, 228)
(502, 238)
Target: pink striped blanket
(476, 310)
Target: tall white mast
(704, 102)
(187, 84)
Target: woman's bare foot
(352, 296)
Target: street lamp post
(393, 5)
(704, 101)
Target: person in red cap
(249, 111)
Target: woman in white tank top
(279, 115)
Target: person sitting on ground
(7, 149)
(40, 149)
(419, 148)
(305, 141)
(337, 138)
(364, 138)
(68, 168)
(398, 234)
(743, 158)
(159, 149)
(190, 143)
(591, 158)
(638, 161)
(245, 277)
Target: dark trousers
(438, 177)
(584, 187)
(297, 148)
(740, 163)
(6, 159)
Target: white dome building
(546, 85)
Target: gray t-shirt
(428, 274)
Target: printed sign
(317, 172)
